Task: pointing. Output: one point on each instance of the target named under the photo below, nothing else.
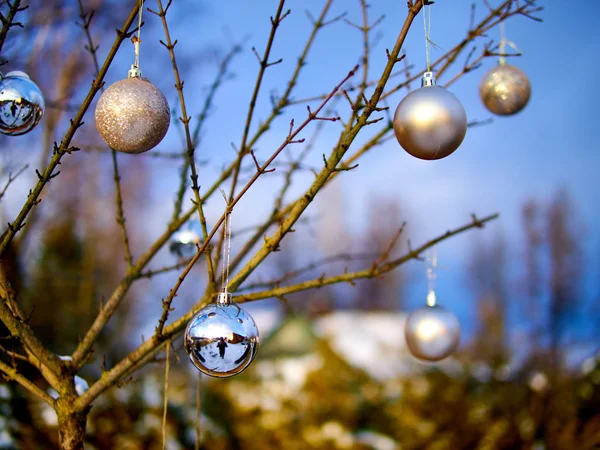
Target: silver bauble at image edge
(221, 339)
(21, 104)
(505, 90)
(432, 333)
(430, 123)
(132, 115)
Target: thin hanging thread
(136, 43)
(431, 277)
(226, 253)
(502, 58)
(166, 398)
(504, 43)
(198, 411)
(427, 27)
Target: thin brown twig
(120, 211)
(12, 178)
(92, 50)
(12, 373)
(367, 273)
(147, 348)
(64, 147)
(114, 300)
(342, 257)
(124, 365)
(166, 395)
(264, 64)
(8, 21)
(202, 117)
(245, 145)
(185, 119)
(198, 411)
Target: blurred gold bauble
(132, 115)
(432, 333)
(430, 122)
(505, 90)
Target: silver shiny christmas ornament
(221, 339)
(132, 115)
(505, 90)
(432, 333)
(183, 242)
(21, 104)
(430, 122)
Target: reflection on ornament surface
(430, 122)
(432, 333)
(21, 104)
(132, 115)
(505, 90)
(221, 339)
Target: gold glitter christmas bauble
(505, 90)
(430, 122)
(132, 115)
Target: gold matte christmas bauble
(132, 115)
(505, 90)
(430, 122)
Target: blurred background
(333, 370)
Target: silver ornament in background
(132, 115)
(432, 333)
(430, 122)
(183, 242)
(80, 384)
(505, 90)
(221, 339)
(21, 104)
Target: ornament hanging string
(226, 252)
(137, 41)
(166, 397)
(135, 72)
(427, 27)
(431, 277)
(503, 43)
(198, 411)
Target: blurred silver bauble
(505, 90)
(221, 339)
(432, 333)
(80, 384)
(183, 242)
(132, 115)
(430, 122)
(21, 104)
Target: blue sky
(551, 145)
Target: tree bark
(71, 430)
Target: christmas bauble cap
(135, 72)
(224, 298)
(428, 79)
(16, 74)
